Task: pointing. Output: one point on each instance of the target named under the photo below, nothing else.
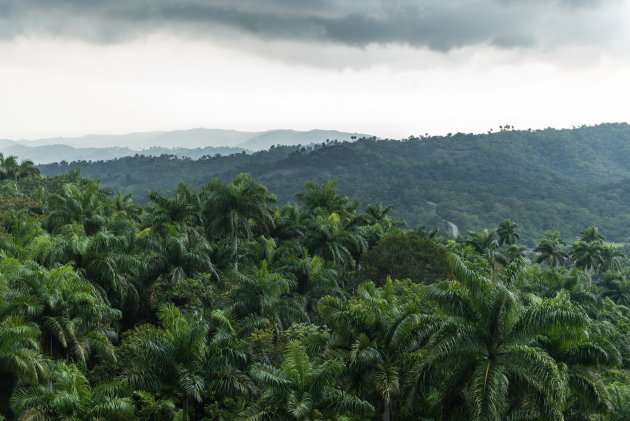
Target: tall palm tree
(229, 208)
(587, 255)
(592, 235)
(301, 390)
(551, 249)
(617, 289)
(377, 212)
(486, 352)
(612, 258)
(507, 233)
(483, 242)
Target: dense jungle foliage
(219, 303)
(544, 180)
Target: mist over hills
(544, 180)
(193, 143)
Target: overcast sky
(389, 68)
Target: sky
(385, 67)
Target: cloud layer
(438, 25)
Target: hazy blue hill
(292, 137)
(193, 138)
(193, 143)
(47, 154)
(131, 140)
(544, 180)
(199, 138)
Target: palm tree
(73, 317)
(582, 358)
(184, 208)
(617, 289)
(514, 252)
(612, 258)
(373, 334)
(106, 259)
(507, 233)
(76, 204)
(486, 351)
(11, 170)
(301, 390)
(180, 255)
(228, 208)
(327, 237)
(587, 255)
(549, 283)
(551, 249)
(483, 242)
(261, 296)
(19, 347)
(314, 280)
(172, 358)
(180, 357)
(591, 235)
(377, 212)
(67, 395)
(326, 200)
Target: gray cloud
(439, 24)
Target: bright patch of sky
(208, 66)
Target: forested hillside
(545, 180)
(219, 303)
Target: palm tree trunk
(185, 409)
(234, 250)
(383, 409)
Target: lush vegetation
(217, 303)
(544, 180)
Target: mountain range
(193, 143)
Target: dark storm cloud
(438, 24)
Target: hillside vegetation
(545, 180)
(218, 303)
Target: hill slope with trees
(545, 180)
(219, 303)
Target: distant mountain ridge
(183, 143)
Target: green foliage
(543, 180)
(227, 308)
(405, 256)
